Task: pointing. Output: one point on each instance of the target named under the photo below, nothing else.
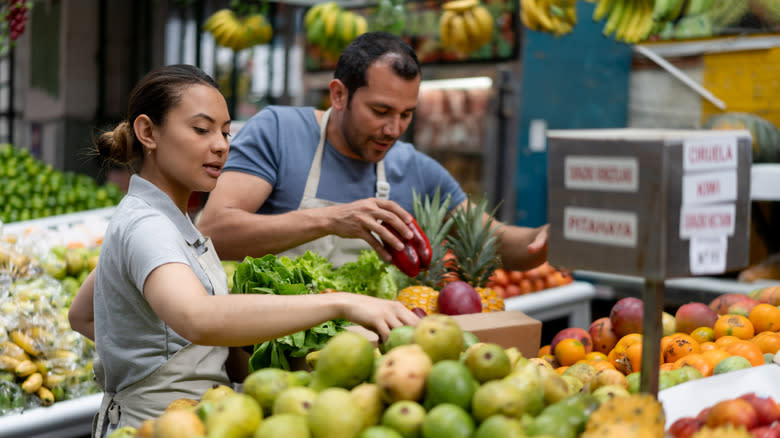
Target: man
(300, 179)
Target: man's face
(379, 112)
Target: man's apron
(337, 250)
(187, 374)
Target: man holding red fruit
(339, 181)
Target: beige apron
(337, 250)
(187, 374)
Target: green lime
(379, 432)
(500, 426)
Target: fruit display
(465, 25)
(469, 256)
(332, 28)
(238, 32)
(389, 16)
(41, 359)
(15, 14)
(511, 283)
(747, 415)
(32, 189)
(764, 134)
(435, 381)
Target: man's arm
(520, 248)
(230, 220)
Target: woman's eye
(226, 135)
(201, 130)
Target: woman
(157, 305)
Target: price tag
(708, 254)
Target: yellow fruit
(32, 383)
(423, 297)
(491, 301)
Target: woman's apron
(337, 250)
(187, 374)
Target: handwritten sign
(612, 174)
(708, 153)
(708, 255)
(608, 227)
(709, 187)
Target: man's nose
(393, 127)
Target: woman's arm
(81, 314)
(178, 298)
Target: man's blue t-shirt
(278, 144)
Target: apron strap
(313, 179)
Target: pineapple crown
(474, 243)
(431, 215)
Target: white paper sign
(612, 174)
(608, 227)
(708, 254)
(709, 187)
(707, 153)
(707, 220)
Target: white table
(571, 301)
(64, 419)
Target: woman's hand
(376, 314)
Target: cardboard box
(511, 328)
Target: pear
(217, 392)
(283, 425)
(264, 385)
(123, 432)
(335, 414)
(345, 361)
(178, 423)
(235, 416)
(294, 400)
(369, 397)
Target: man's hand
(540, 241)
(363, 220)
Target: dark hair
(368, 48)
(154, 95)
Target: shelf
(572, 301)
(678, 291)
(70, 418)
(765, 182)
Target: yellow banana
(47, 398)
(312, 14)
(330, 21)
(27, 343)
(603, 7)
(255, 26)
(216, 17)
(51, 380)
(473, 31)
(647, 25)
(223, 31)
(459, 38)
(346, 26)
(627, 21)
(8, 363)
(445, 34)
(361, 25)
(486, 22)
(570, 14)
(25, 368)
(459, 5)
(32, 383)
(528, 19)
(615, 15)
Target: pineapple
(431, 215)
(474, 245)
(641, 410)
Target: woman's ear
(143, 127)
(339, 95)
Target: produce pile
(748, 416)
(41, 359)
(332, 28)
(33, 189)
(238, 32)
(511, 283)
(430, 381)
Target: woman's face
(192, 143)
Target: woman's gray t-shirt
(146, 231)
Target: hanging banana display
(331, 27)
(238, 33)
(465, 25)
(557, 17)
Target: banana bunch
(465, 25)
(632, 21)
(553, 16)
(333, 28)
(238, 33)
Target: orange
(703, 334)
(725, 341)
(596, 355)
(733, 325)
(544, 350)
(706, 346)
(666, 366)
(768, 342)
(634, 356)
(714, 356)
(697, 361)
(617, 356)
(765, 317)
(681, 346)
(569, 351)
(748, 350)
(560, 370)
